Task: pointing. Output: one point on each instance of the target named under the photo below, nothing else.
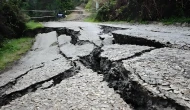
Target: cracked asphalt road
(78, 66)
(35, 72)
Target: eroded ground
(84, 66)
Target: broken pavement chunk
(152, 38)
(74, 51)
(63, 39)
(163, 70)
(50, 69)
(118, 52)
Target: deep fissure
(7, 98)
(114, 73)
(118, 78)
(12, 83)
(132, 92)
(108, 29)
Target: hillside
(143, 10)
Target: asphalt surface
(108, 67)
(37, 72)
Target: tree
(12, 22)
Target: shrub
(143, 10)
(12, 22)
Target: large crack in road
(149, 71)
(5, 87)
(54, 71)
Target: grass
(173, 20)
(33, 25)
(13, 49)
(91, 18)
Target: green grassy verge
(88, 19)
(175, 20)
(91, 18)
(12, 50)
(33, 25)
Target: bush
(89, 5)
(12, 22)
(140, 10)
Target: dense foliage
(12, 22)
(12, 19)
(143, 10)
(59, 6)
